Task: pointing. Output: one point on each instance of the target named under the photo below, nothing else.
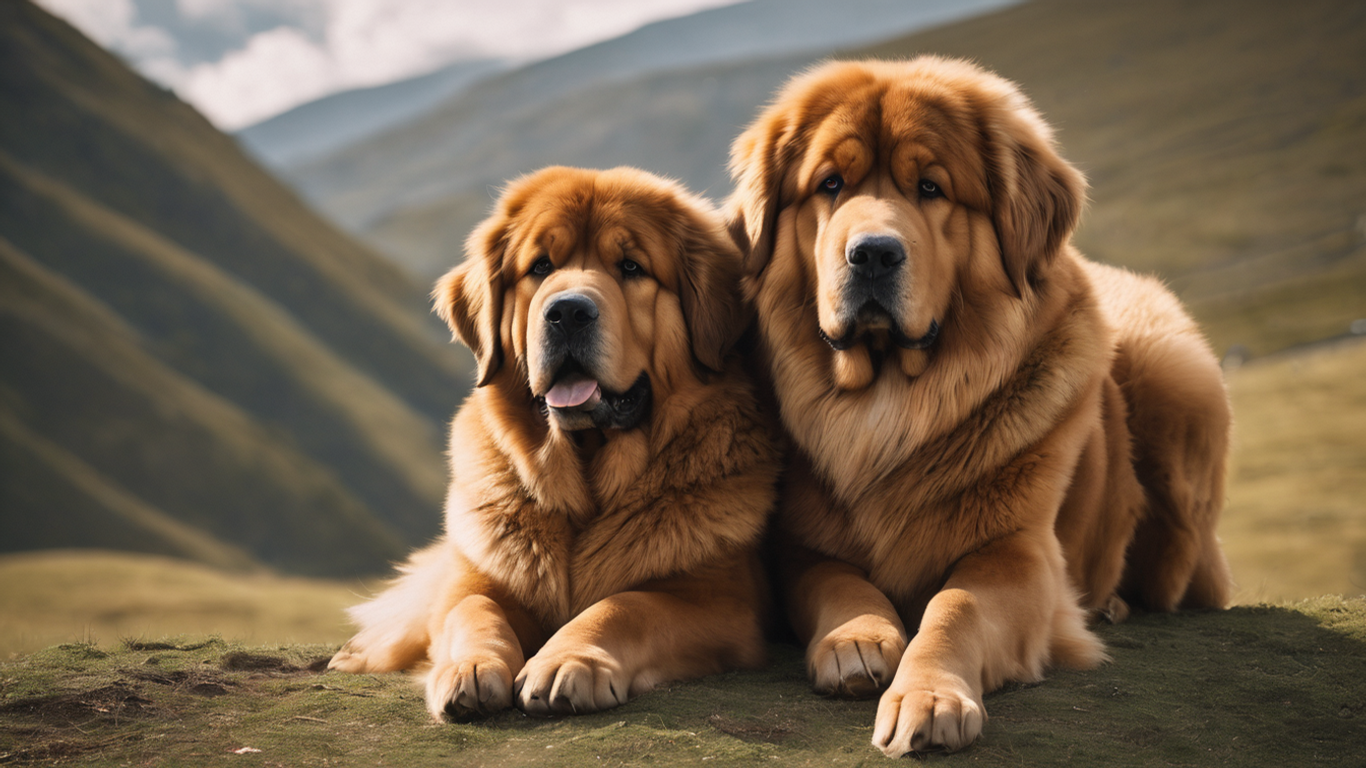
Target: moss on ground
(1261, 685)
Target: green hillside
(195, 363)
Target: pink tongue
(571, 394)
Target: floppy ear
(1037, 197)
(709, 290)
(470, 297)
(755, 167)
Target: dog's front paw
(573, 681)
(927, 715)
(857, 658)
(468, 687)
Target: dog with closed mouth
(612, 472)
(992, 436)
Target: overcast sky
(241, 61)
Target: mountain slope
(87, 121)
(196, 364)
(105, 446)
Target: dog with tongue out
(611, 473)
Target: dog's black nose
(874, 256)
(570, 313)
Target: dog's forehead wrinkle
(613, 241)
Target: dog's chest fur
(1005, 466)
(559, 543)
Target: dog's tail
(394, 632)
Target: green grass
(1252, 686)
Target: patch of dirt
(241, 661)
(59, 751)
(755, 729)
(107, 703)
(197, 682)
(209, 689)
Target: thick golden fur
(583, 565)
(978, 447)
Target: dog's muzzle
(872, 293)
(576, 400)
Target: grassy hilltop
(1247, 687)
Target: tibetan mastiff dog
(612, 472)
(993, 437)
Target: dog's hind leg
(1180, 421)
(1211, 583)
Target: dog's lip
(840, 342)
(874, 316)
(855, 332)
(574, 391)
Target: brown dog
(611, 474)
(985, 422)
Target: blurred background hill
(195, 364)
(323, 126)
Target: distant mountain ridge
(457, 150)
(195, 363)
(312, 130)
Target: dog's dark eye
(631, 269)
(832, 184)
(543, 266)
(929, 190)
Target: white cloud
(275, 71)
(357, 42)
